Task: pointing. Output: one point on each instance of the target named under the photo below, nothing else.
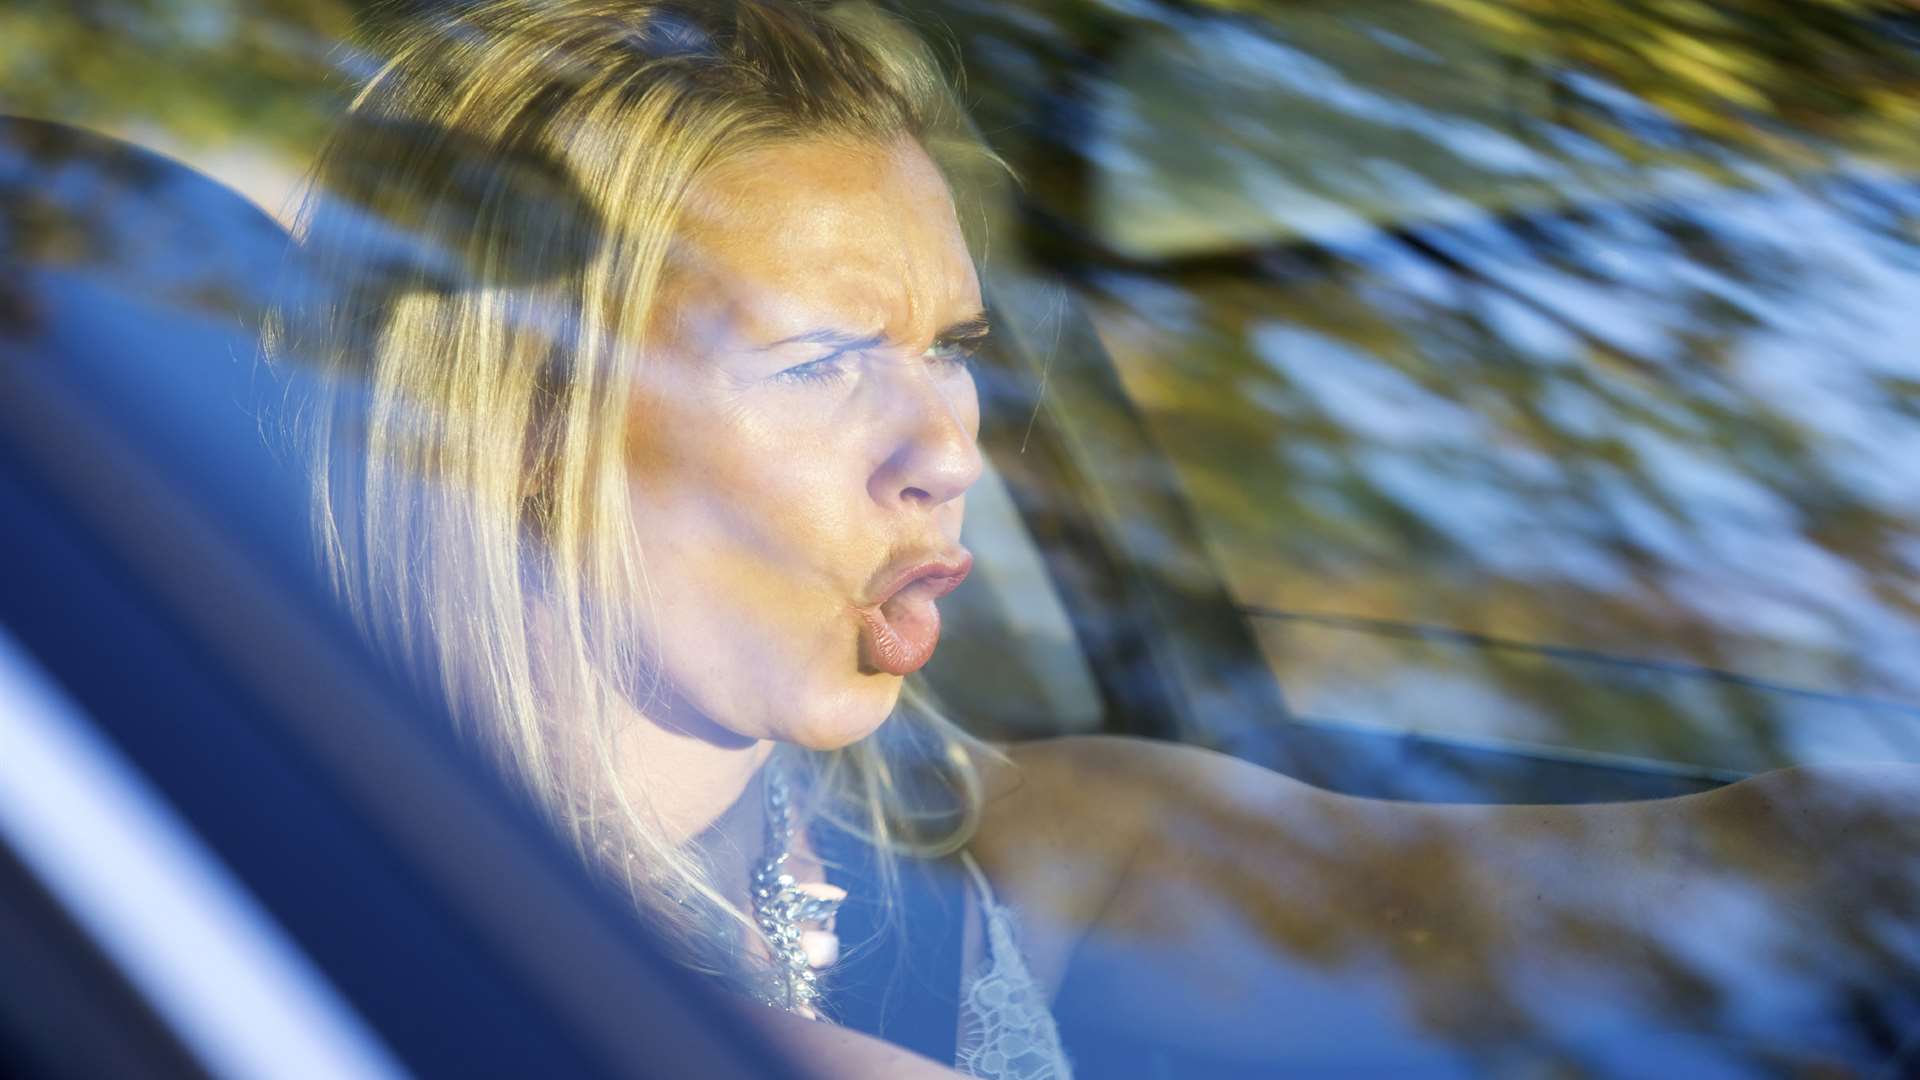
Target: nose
(933, 452)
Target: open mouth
(898, 634)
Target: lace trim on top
(1006, 1029)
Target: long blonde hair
(490, 226)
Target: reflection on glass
(1528, 392)
(1469, 320)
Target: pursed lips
(901, 627)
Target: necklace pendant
(781, 904)
(817, 908)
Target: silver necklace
(780, 906)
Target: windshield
(1449, 405)
(1535, 378)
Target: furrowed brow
(972, 328)
(829, 336)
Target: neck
(688, 778)
(686, 773)
(703, 792)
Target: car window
(1442, 401)
(187, 936)
(1537, 378)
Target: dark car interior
(156, 574)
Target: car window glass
(1541, 380)
(1450, 401)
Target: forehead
(820, 234)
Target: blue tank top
(901, 978)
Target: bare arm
(1216, 904)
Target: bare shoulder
(1066, 818)
(1065, 794)
(1073, 782)
(1044, 801)
(1815, 801)
(1057, 832)
(1897, 782)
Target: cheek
(752, 538)
(963, 393)
(732, 483)
(731, 528)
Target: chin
(841, 719)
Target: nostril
(918, 495)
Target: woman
(647, 443)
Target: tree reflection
(214, 72)
(1470, 327)
(1579, 327)
(1766, 927)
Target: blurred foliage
(1756, 72)
(1767, 932)
(1562, 322)
(206, 71)
(1581, 325)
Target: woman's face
(803, 436)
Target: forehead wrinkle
(834, 291)
(854, 253)
(782, 282)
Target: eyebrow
(972, 328)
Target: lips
(900, 628)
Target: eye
(956, 353)
(829, 368)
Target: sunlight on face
(803, 436)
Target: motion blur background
(1533, 375)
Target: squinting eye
(824, 370)
(954, 353)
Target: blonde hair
(490, 226)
